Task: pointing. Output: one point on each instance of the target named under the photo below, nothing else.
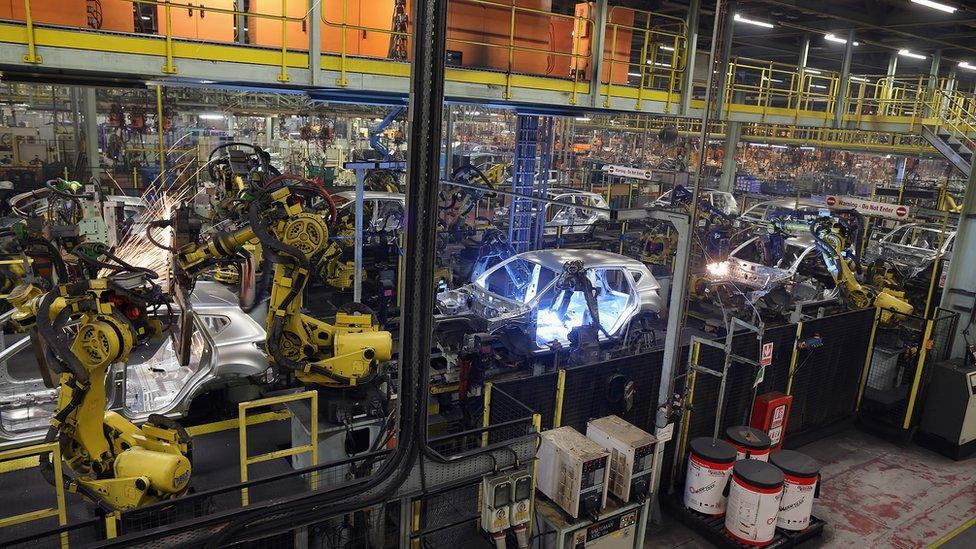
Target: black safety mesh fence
(448, 518)
(940, 346)
(537, 392)
(508, 419)
(320, 478)
(899, 369)
(598, 390)
(75, 534)
(826, 378)
(824, 381)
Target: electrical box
(573, 471)
(496, 496)
(770, 414)
(631, 456)
(948, 423)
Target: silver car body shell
(754, 280)
(909, 259)
(507, 311)
(722, 200)
(757, 213)
(228, 350)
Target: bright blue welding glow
(553, 326)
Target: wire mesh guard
(899, 368)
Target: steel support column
(728, 29)
(89, 107)
(240, 22)
(933, 83)
(733, 131)
(890, 79)
(596, 49)
(679, 282)
(804, 53)
(959, 294)
(840, 102)
(688, 79)
(315, 41)
(546, 139)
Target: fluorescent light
(145, 18)
(667, 48)
(772, 79)
(811, 71)
(818, 86)
(935, 5)
(755, 22)
(907, 53)
(758, 144)
(583, 118)
(859, 79)
(967, 66)
(210, 116)
(834, 38)
(634, 74)
(807, 149)
(778, 146)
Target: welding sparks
(135, 247)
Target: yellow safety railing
(512, 42)
(58, 510)
(661, 54)
(952, 110)
(311, 448)
(166, 8)
(873, 96)
(773, 88)
(645, 54)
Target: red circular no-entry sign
(831, 200)
(901, 211)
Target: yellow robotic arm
(111, 460)
(832, 244)
(339, 355)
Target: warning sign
(626, 171)
(868, 207)
(767, 354)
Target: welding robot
(833, 236)
(109, 460)
(344, 356)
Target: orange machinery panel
(117, 15)
(196, 22)
(69, 13)
(371, 14)
(489, 26)
(621, 49)
(264, 31)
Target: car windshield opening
(517, 279)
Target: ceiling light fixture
(834, 38)
(667, 48)
(755, 22)
(935, 5)
(210, 116)
(907, 53)
(811, 71)
(967, 66)
(859, 79)
(583, 118)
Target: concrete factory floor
(876, 494)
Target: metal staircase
(955, 135)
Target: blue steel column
(523, 182)
(545, 164)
